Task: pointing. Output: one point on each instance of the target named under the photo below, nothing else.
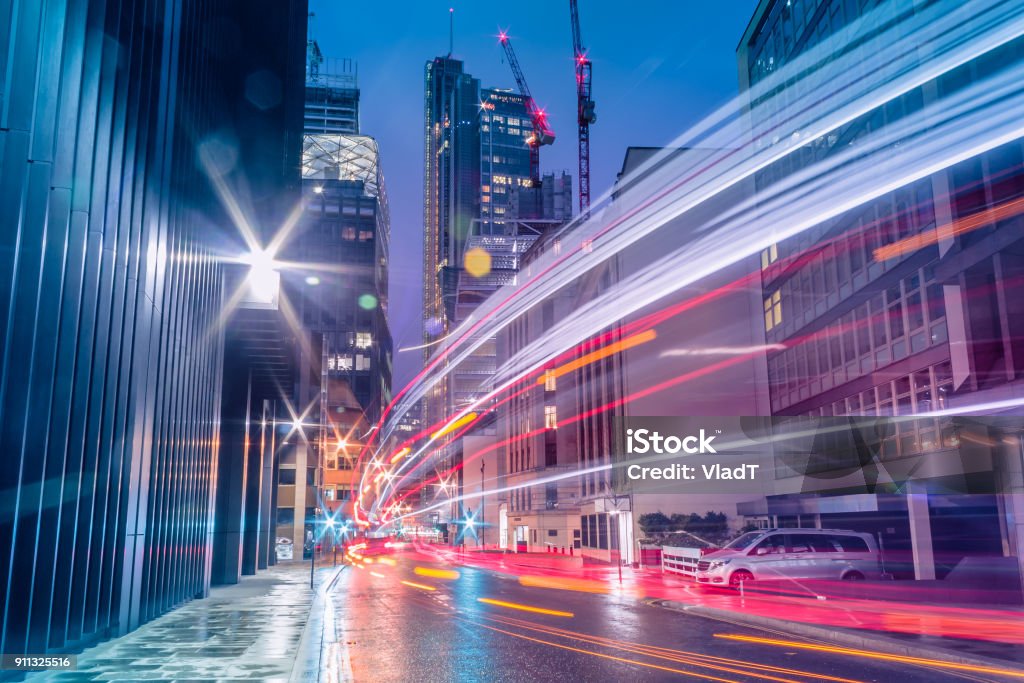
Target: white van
(792, 554)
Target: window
(364, 340)
(850, 544)
(549, 381)
(550, 417)
(769, 256)
(800, 543)
(773, 311)
(773, 545)
(285, 516)
(287, 477)
(329, 493)
(602, 532)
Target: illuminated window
(550, 417)
(769, 256)
(549, 381)
(773, 311)
(329, 493)
(364, 340)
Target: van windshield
(743, 542)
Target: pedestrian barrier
(680, 560)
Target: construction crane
(585, 114)
(542, 133)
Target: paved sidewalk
(247, 632)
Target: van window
(851, 544)
(800, 543)
(822, 543)
(744, 541)
(772, 545)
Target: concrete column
(267, 484)
(920, 532)
(231, 476)
(1011, 497)
(253, 487)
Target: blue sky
(659, 66)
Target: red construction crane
(585, 114)
(542, 133)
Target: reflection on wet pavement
(246, 632)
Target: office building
(340, 297)
(133, 472)
(504, 156)
(865, 326)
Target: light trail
(446, 574)
(868, 654)
(525, 608)
(698, 659)
(827, 98)
(985, 32)
(925, 27)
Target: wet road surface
(446, 623)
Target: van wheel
(738, 577)
(853, 576)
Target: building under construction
(332, 94)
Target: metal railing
(680, 560)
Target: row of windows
(917, 393)
(337, 493)
(824, 273)
(906, 318)
(343, 362)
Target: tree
(655, 522)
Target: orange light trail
(559, 583)
(467, 418)
(447, 574)
(525, 608)
(400, 454)
(722, 664)
(603, 352)
(950, 230)
(421, 586)
(917, 661)
(611, 657)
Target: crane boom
(542, 133)
(585, 114)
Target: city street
(568, 340)
(396, 625)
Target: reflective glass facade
(113, 119)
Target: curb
(848, 638)
(308, 669)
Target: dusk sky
(658, 68)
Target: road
(405, 618)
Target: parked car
(792, 554)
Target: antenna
(451, 30)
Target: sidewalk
(247, 632)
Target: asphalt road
(439, 628)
